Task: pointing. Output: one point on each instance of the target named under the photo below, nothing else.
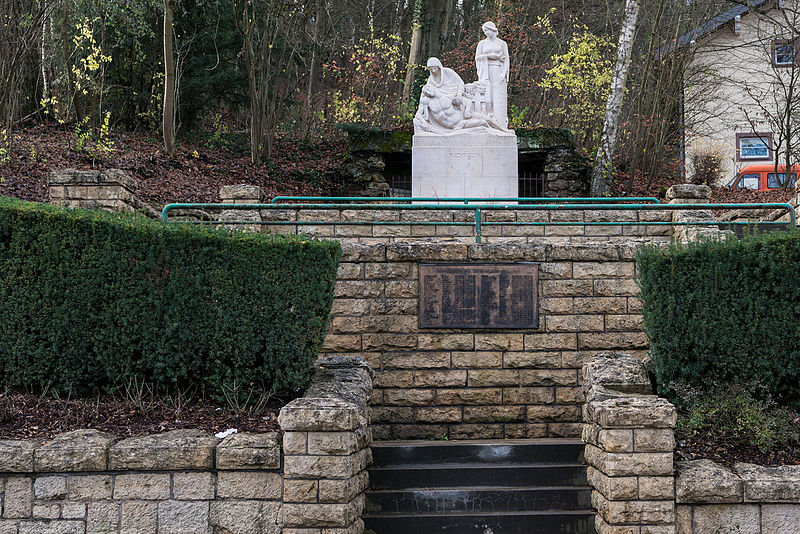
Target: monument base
(475, 165)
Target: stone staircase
(481, 487)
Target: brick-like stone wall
(463, 383)
(748, 499)
(180, 482)
(638, 489)
(498, 226)
(188, 482)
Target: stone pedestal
(482, 165)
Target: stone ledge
(178, 449)
(706, 482)
(105, 177)
(642, 411)
(80, 450)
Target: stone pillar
(326, 450)
(111, 189)
(629, 448)
(693, 194)
(241, 194)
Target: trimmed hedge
(725, 313)
(90, 300)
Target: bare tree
(271, 48)
(601, 172)
(168, 110)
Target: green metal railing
(467, 200)
(479, 211)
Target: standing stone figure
(491, 59)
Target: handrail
(479, 210)
(467, 200)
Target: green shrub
(738, 415)
(725, 312)
(90, 300)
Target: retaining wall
(189, 482)
(639, 489)
(465, 383)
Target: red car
(762, 177)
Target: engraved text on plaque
(478, 295)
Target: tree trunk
(413, 54)
(435, 16)
(314, 67)
(602, 171)
(168, 111)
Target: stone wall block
(770, 484)
(139, 517)
(319, 515)
(245, 517)
(337, 443)
(50, 488)
(705, 481)
(634, 512)
(183, 517)
(783, 518)
(241, 194)
(102, 518)
(144, 486)
(653, 439)
(319, 415)
(80, 450)
(249, 485)
(175, 450)
(89, 487)
(727, 518)
(332, 491)
(630, 464)
(613, 488)
(18, 498)
(632, 412)
(425, 251)
(330, 467)
(51, 527)
(249, 451)
(16, 456)
(193, 486)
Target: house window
(754, 147)
(783, 53)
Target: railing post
(477, 225)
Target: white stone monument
(462, 146)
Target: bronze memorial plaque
(478, 295)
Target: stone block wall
(189, 482)
(180, 482)
(465, 383)
(500, 226)
(637, 489)
(748, 499)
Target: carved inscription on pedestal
(478, 295)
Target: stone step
(467, 475)
(527, 522)
(478, 499)
(388, 453)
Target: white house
(742, 90)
